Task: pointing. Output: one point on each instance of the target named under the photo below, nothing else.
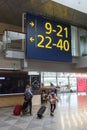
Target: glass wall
(83, 42)
(78, 41)
(13, 40)
(49, 78)
(65, 81)
(74, 41)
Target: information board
(47, 39)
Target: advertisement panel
(82, 84)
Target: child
(52, 99)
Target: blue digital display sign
(47, 39)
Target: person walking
(52, 99)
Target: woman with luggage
(52, 99)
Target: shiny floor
(70, 114)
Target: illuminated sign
(82, 84)
(47, 39)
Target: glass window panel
(1, 45)
(62, 81)
(49, 74)
(73, 84)
(13, 40)
(60, 74)
(33, 73)
(83, 46)
(42, 79)
(48, 80)
(74, 41)
(83, 41)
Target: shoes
(51, 114)
(21, 114)
(30, 114)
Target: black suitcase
(41, 111)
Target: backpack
(52, 98)
(28, 95)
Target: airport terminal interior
(71, 113)
(43, 43)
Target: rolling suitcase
(17, 110)
(41, 111)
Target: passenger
(51, 85)
(52, 99)
(28, 99)
(53, 89)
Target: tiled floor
(70, 114)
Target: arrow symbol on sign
(31, 39)
(32, 24)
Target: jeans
(52, 107)
(30, 106)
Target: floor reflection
(68, 100)
(72, 111)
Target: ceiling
(11, 12)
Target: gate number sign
(47, 39)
